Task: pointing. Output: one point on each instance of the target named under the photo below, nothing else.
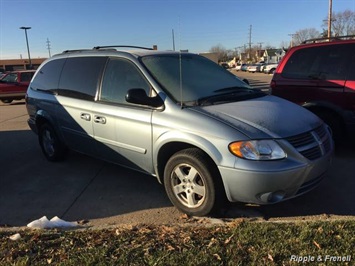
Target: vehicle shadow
(84, 188)
(78, 188)
(257, 84)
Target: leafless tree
(305, 34)
(343, 23)
(220, 51)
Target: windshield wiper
(235, 88)
(234, 95)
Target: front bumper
(270, 185)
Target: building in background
(19, 64)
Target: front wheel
(52, 147)
(192, 183)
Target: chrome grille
(313, 144)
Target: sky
(196, 25)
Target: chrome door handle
(85, 116)
(100, 119)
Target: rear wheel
(7, 101)
(52, 147)
(192, 183)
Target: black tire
(334, 122)
(196, 193)
(7, 101)
(51, 145)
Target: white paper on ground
(15, 237)
(44, 223)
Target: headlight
(257, 150)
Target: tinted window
(120, 76)
(47, 78)
(26, 76)
(81, 76)
(323, 62)
(351, 67)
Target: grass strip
(238, 242)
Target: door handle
(100, 119)
(85, 116)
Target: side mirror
(139, 96)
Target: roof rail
(326, 39)
(77, 50)
(121, 46)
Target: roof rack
(77, 50)
(121, 46)
(326, 39)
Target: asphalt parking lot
(83, 188)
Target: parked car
(244, 67)
(239, 66)
(270, 68)
(320, 76)
(201, 131)
(254, 68)
(224, 65)
(13, 85)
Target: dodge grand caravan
(201, 131)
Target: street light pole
(28, 48)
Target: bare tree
(343, 23)
(305, 34)
(220, 51)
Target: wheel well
(169, 150)
(319, 109)
(328, 113)
(40, 120)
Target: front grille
(313, 144)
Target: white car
(270, 69)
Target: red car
(320, 76)
(13, 85)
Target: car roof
(135, 51)
(328, 41)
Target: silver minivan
(201, 131)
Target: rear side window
(322, 62)
(80, 77)
(26, 76)
(47, 78)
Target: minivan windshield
(191, 79)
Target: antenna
(180, 66)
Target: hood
(264, 117)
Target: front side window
(120, 76)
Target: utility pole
(28, 48)
(172, 31)
(292, 34)
(249, 41)
(49, 47)
(330, 19)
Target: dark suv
(320, 75)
